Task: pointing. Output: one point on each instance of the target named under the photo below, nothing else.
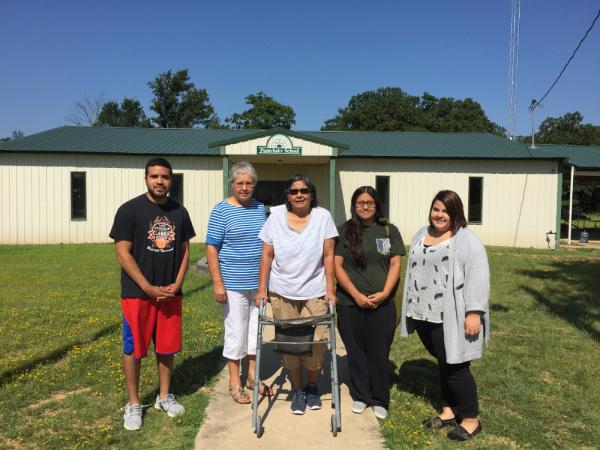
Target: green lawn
(539, 380)
(61, 384)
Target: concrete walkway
(228, 424)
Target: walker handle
(331, 306)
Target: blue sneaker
(313, 401)
(298, 402)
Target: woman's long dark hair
(353, 228)
(454, 207)
(311, 187)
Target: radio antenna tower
(513, 68)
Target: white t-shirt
(297, 270)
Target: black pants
(368, 336)
(459, 390)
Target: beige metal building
(64, 185)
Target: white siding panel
(37, 190)
(519, 197)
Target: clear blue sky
(311, 55)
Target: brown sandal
(239, 395)
(263, 389)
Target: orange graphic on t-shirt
(161, 232)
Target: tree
(178, 103)
(385, 109)
(15, 136)
(392, 109)
(266, 113)
(568, 129)
(449, 114)
(129, 114)
(86, 111)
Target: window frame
(78, 213)
(384, 197)
(181, 189)
(471, 203)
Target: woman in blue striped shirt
(233, 250)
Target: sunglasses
(303, 191)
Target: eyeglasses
(369, 204)
(303, 191)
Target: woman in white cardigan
(446, 293)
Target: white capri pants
(241, 324)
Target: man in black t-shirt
(152, 234)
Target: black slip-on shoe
(460, 434)
(436, 423)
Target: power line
(535, 103)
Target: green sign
(279, 144)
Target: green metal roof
(580, 156)
(429, 145)
(142, 141)
(193, 141)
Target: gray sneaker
(298, 402)
(313, 401)
(380, 412)
(358, 407)
(132, 419)
(169, 405)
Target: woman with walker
(298, 265)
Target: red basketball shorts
(145, 320)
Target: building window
(176, 192)
(78, 203)
(382, 186)
(475, 199)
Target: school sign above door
(274, 145)
(279, 144)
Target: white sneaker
(358, 407)
(132, 419)
(380, 412)
(169, 405)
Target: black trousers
(368, 336)
(459, 390)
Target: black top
(157, 232)
(379, 244)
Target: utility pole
(534, 104)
